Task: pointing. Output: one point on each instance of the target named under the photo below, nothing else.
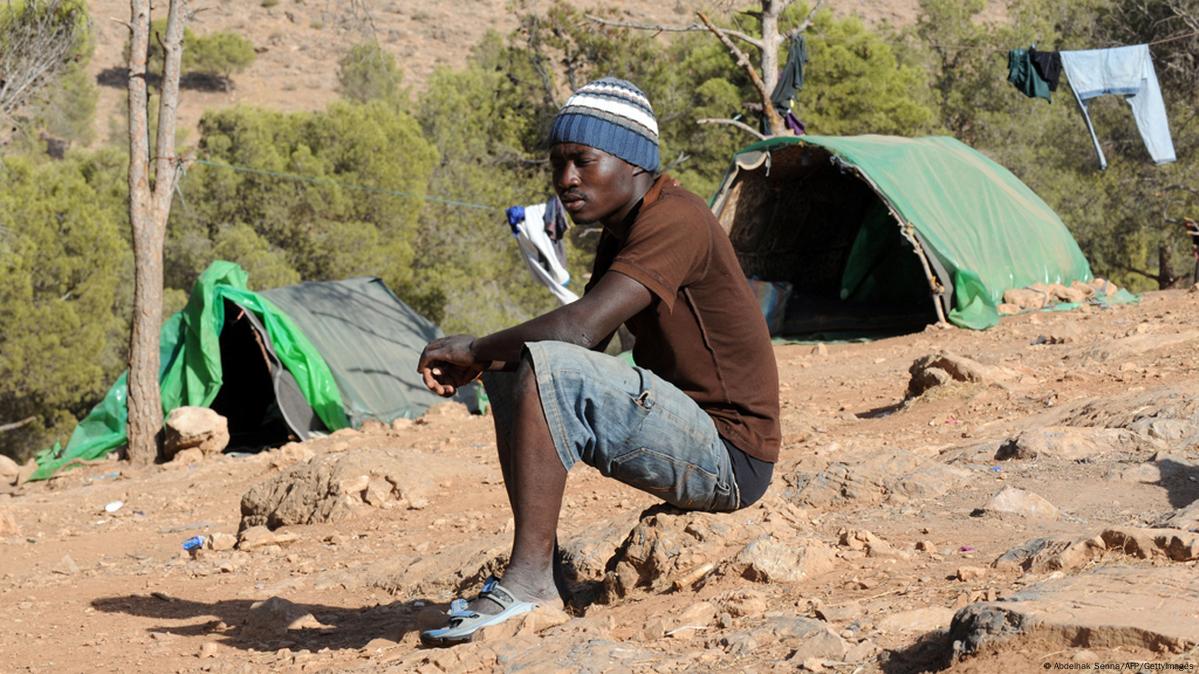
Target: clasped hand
(448, 363)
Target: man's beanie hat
(612, 115)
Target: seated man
(695, 422)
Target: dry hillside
(299, 41)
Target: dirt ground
(83, 589)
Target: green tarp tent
(880, 232)
(292, 361)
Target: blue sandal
(464, 623)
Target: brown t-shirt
(705, 333)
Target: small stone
(187, 457)
(8, 525)
(9, 470)
(820, 350)
(1021, 502)
(66, 566)
(401, 424)
(373, 427)
(813, 665)
(220, 541)
(378, 492)
(927, 546)
(653, 630)
(255, 537)
(968, 573)
(208, 649)
(746, 603)
(540, 619)
(194, 427)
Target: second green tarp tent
(887, 233)
(286, 362)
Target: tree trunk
(148, 212)
(1165, 277)
(771, 40)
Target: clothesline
(1176, 37)
(346, 185)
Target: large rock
(1021, 502)
(1165, 418)
(334, 487)
(1066, 443)
(668, 544)
(1180, 546)
(1186, 518)
(9, 470)
(873, 479)
(1025, 299)
(1043, 555)
(195, 427)
(804, 637)
(769, 560)
(941, 368)
(1106, 607)
(272, 618)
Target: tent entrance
(258, 396)
(795, 216)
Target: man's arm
(586, 322)
(450, 362)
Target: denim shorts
(628, 423)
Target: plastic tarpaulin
(372, 342)
(988, 230)
(190, 370)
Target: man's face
(591, 183)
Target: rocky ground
(1027, 500)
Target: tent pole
(934, 284)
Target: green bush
(62, 326)
(216, 56)
(367, 72)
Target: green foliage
(222, 54)
(470, 277)
(216, 56)
(61, 331)
(63, 110)
(857, 85)
(367, 72)
(350, 214)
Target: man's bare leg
(535, 479)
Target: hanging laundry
(1024, 76)
(794, 124)
(1127, 72)
(555, 226)
(544, 257)
(790, 82)
(791, 79)
(1048, 65)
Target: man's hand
(447, 364)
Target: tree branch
(733, 122)
(807, 22)
(772, 115)
(4, 428)
(167, 165)
(665, 28)
(1140, 272)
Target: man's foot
(464, 623)
(542, 594)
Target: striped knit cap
(612, 115)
